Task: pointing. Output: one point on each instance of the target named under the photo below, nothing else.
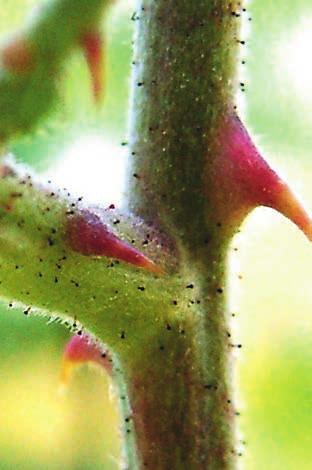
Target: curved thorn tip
(290, 206)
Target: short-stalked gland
(82, 350)
(239, 180)
(93, 48)
(90, 236)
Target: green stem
(179, 391)
(184, 77)
(183, 83)
(168, 335)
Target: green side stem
(183, 83)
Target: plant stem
(184, 80)
(183, 83)
(182, 414)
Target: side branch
(43, 269)
(31, 62)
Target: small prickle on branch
(17, 56)
(93, 46)
(80, 350)
(88, 235)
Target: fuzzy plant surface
(145, 290)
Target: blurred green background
(271, 272)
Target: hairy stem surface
(148, 284)
(183, 84)
(179, 390)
